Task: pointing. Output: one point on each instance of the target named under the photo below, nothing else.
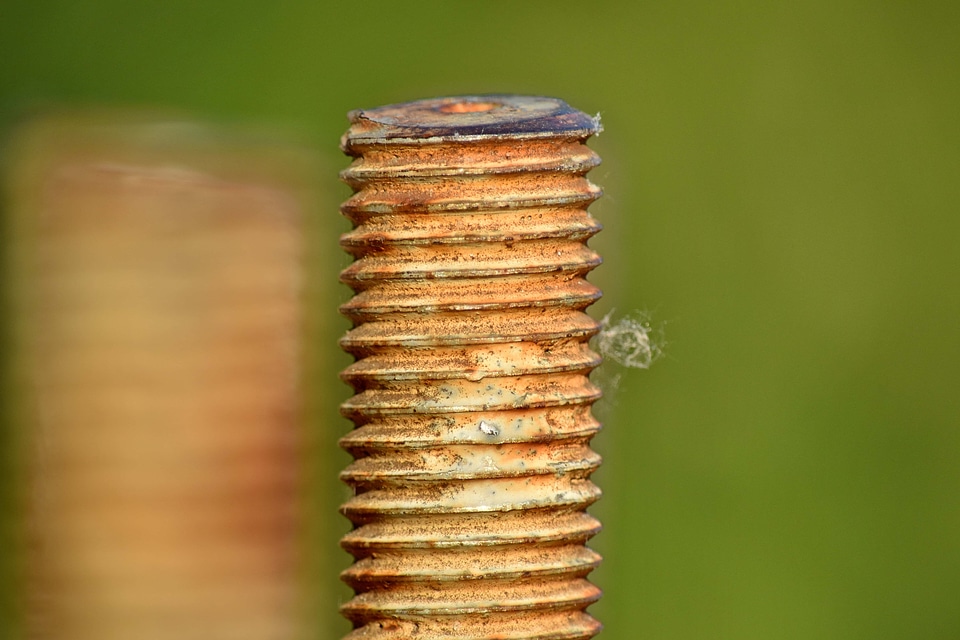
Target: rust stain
(472, 405)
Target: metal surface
(159, 298)
(472, 405)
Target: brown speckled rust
(472, 407)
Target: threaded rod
(472, 405)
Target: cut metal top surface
(465, 118)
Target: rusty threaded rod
(472, 405)
(158, 308)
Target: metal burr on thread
(472, 405)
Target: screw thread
(158, 317)
(472, 405)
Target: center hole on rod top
(468, 107)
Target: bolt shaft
(472, 405)
(158, 315)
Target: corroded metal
(158, 302)
(472, 405)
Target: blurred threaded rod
(158, 308)
(472, 405)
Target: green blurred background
(783, 191)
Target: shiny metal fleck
(472, 405)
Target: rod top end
(467, 118)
